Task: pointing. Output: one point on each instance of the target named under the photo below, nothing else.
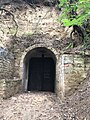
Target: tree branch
(2, 9)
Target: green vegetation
(76, 13)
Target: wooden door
(41, 74)
(48, 75)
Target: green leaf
(80, 6)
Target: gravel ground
(46, 106)
(30, 106)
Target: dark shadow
(43, 2)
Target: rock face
(37, 28)
(44, 2)
(9, 87)
(75, 71)
(6, 63)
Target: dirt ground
(30, 106)
(46, 106)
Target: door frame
(56, 55)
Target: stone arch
(23, 68)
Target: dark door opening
(41, 75)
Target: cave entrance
(41, 70)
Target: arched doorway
(40, 65)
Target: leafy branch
(75, 13)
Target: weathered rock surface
(6, 63)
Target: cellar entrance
(41, 71)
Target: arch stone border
(57, 55)
(31, 48)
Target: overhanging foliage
(74, 12)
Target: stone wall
(75, 67)
(41, 20)
(31, 42)
(9, 87)
(6, 63)
(37, 28)
(71, 70)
